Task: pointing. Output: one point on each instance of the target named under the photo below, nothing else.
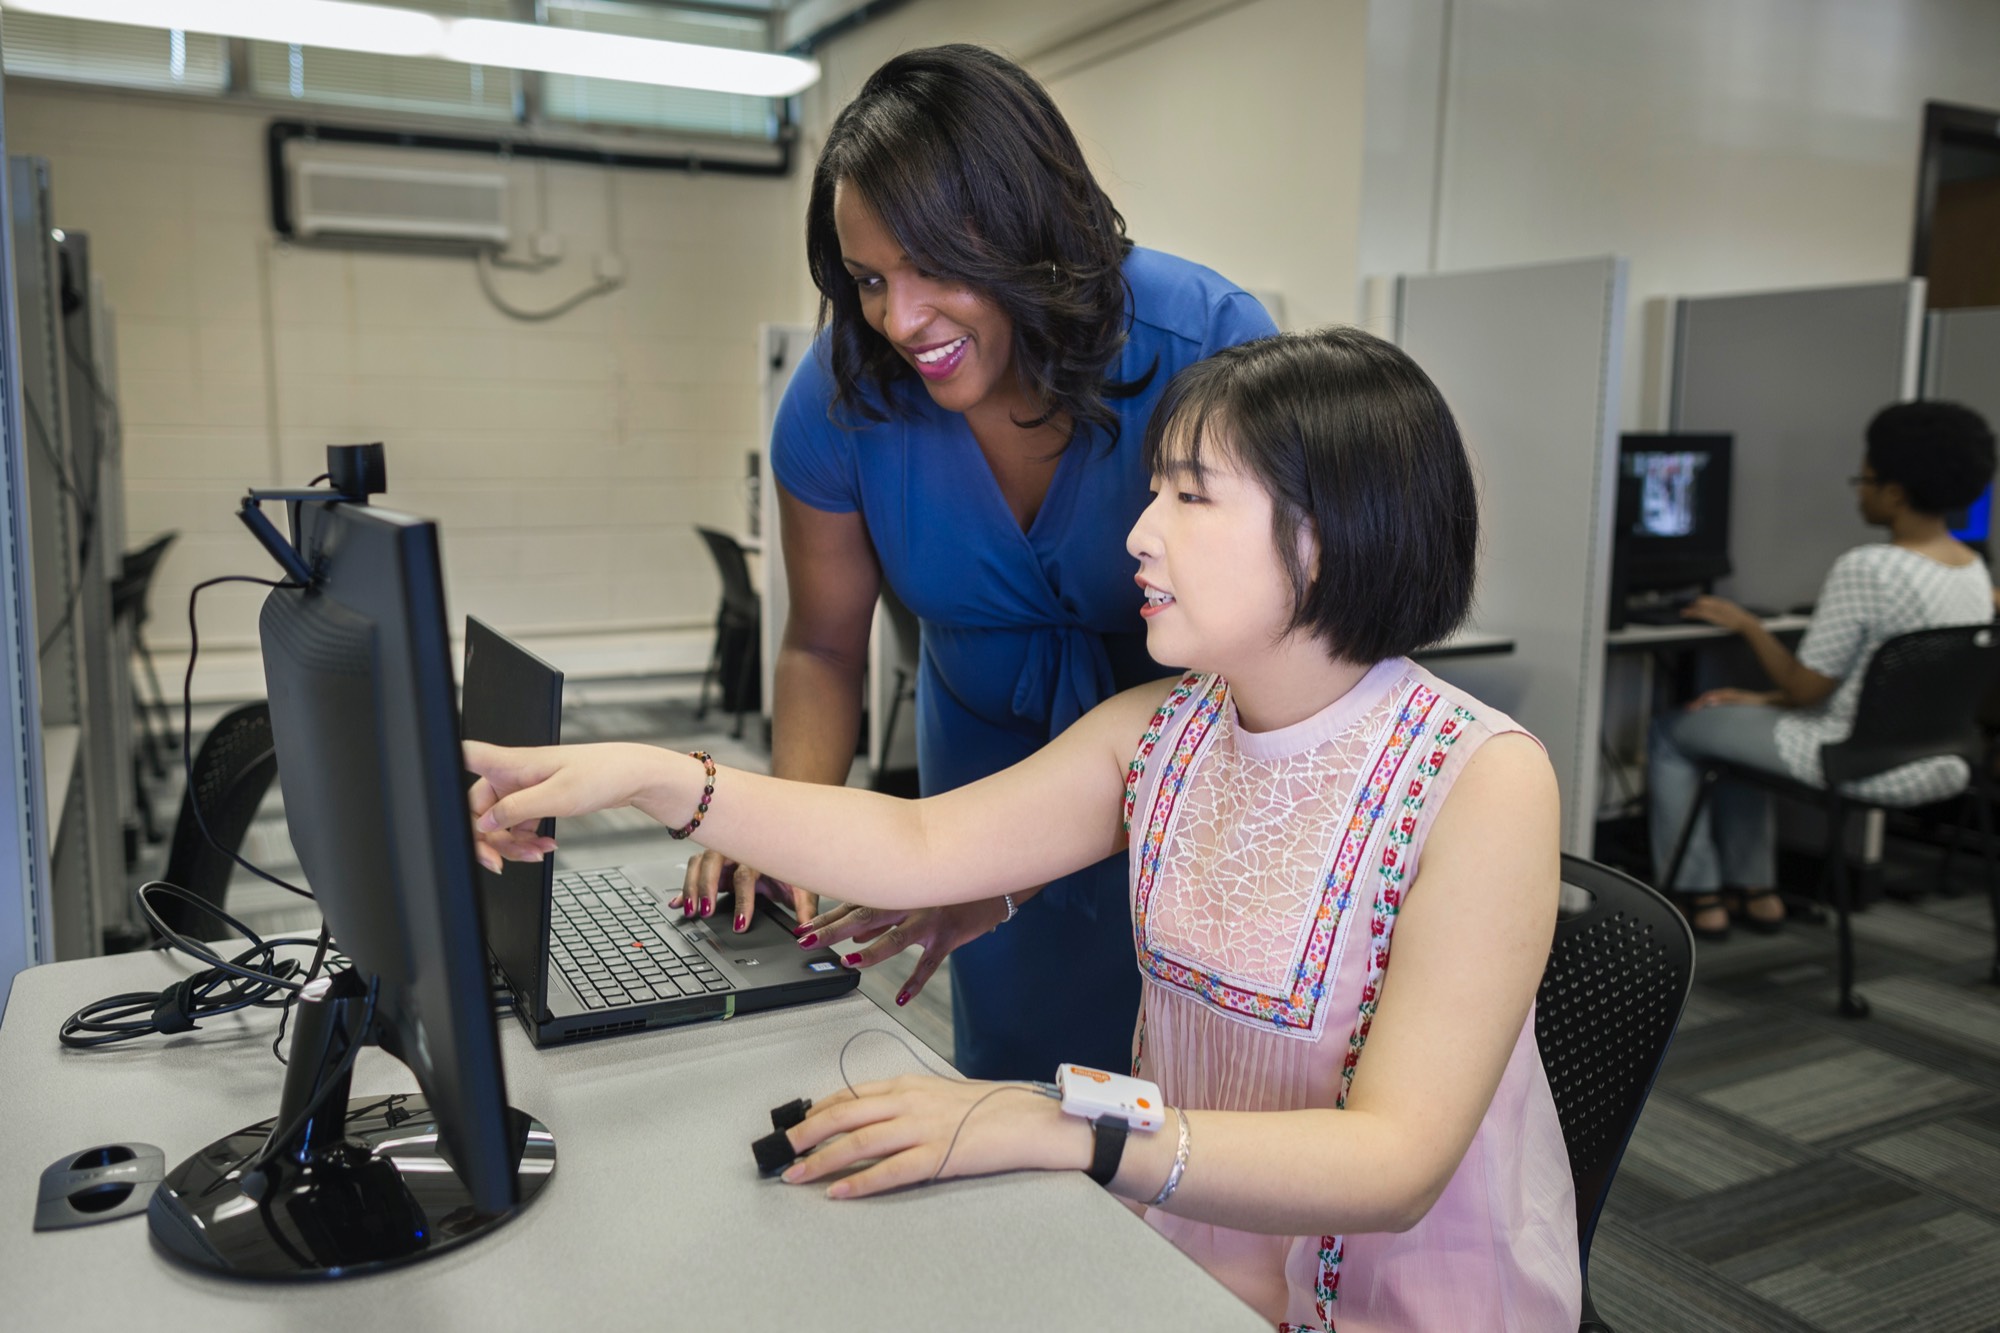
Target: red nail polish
(808, 941)
(850, 958)
(904, 998)
(741, 922)
(708, 908)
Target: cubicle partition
(891, 647)
(1795, 377)
(97, 471)
(1962, 360)
(782, 347)
(74, 793)
(26, 929)
(1529, 360)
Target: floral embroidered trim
(1294, 1012)
(1135, 771)
(1381, 926)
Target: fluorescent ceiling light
(383, 30)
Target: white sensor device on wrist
(1093, 1094)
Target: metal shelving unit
(68, 448)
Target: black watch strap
(1107, 1148)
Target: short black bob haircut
(1356, 445)
(1940, 453)
(975, 172)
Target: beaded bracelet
(707, 795)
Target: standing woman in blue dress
(968, 428)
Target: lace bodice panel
(1251, 845)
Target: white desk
(655, 1218)
(1469, 643)
(1693, 632)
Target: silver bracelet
(1008, 899)
(1180, 1165)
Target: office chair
(232, 771)
(1988, 719)
(1920, 699)
(735, 662)
(1610, 999)
(131, 592)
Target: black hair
(1355, 444)
(969, 164)
(1940, 453)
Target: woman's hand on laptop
(709, 873)
(887, 931)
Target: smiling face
(958, 340)
(1217, 596)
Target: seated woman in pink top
(1347, 1142)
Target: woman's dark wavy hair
(1355, 443)
(1940, 453)
(968, 163)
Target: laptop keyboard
(614, 944)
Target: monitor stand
(354, 1186)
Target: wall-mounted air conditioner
(333, 199)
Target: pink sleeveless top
(1267, 870)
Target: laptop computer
(590, 953)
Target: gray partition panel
(1529, 360)
(25, 929)
(1795, 377)
(1962, 360)
(782, 347)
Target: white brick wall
(567, 461)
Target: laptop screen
(512, 697)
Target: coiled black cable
(255, 978)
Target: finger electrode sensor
(774, 1152)
(791, 1113)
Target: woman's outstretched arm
(1053, 813)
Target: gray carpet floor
(1793, 1171)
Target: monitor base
(381, 1195)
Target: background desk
(655, 1218)
(1469, 643)
(1648, 637)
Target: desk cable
(255, 978)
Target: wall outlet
(546, 246)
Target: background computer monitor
(1975, 524)
(1671, 529)
(364, 719)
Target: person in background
(967, 429)
(1923, 462)
(1344, 876)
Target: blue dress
(1023, 633)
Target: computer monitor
(1975, 524)
(364, 719)
(1671, 530)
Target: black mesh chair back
(736, 663)
(740, 603)
(1920, 698)
(232, 771)
(129, 591)
(1610, 999)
